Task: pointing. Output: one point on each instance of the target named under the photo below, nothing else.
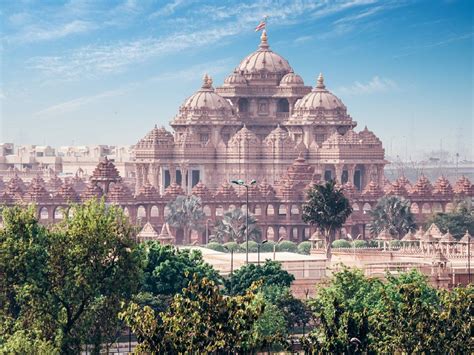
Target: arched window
(270, 210)
(414, 208)
(426, 208)
(243, 105)
(219, 211)
(355, 207)
(44, 213)
(258, 210)
(282, 210)
(283, 105)
(207, 210)
(58, 213)
(154, 212)
(141, 213)
(295, 210)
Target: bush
(359, 244)
(304, 247)
(372, 243)
(216, 246)
(287, 245)
(232, 246)
(267, 247)
(252, 246)
(395, 244)
(341, 243)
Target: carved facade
(253, 127)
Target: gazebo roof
(467, 238)
(434, 231)
(409, 237)
(165, 235)
(147, 232)
(384, 235)
(448, 238)
(419, 233)
(317, 236)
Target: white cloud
(35, 33)
(75, 104)
(376, 85)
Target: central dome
(264, 60)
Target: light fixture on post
(246, 185)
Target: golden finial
(206, 82)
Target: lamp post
(231, 260)
(258, 250)
(246, 185)
(274, 247)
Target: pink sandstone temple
(265, 124)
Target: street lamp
(242, 183)
(274, 247)
(258, 250)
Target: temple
(263, 123)
(253, 127)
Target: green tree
(200, 319)
(341, 243)
(216, 247)
(23, 254)
(232, 227)
(270, 273)
(327, 208)
(393, 214)
(457, 222)
(186, 213)
(167, 270)
(70, 291)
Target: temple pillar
(338, 168)
(155, 176)
(138, 177)
(172, 170)
(184, 177)
(380, 175)
(351, 173)
(146, 170)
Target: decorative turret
(67, 193)
(92, 191)
(372, 189)
(422, 187)
(464, 187)
(36, 191)
(226, 192)
(442, 187)
(173, 191)
(201, 190)
(119, 192)
(105, 173)
(266, 190)
(147, 192)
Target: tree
(393, 214)
(270, 273)
(167, 270)
(326, 208)
(70, 291)
(304, 247)
(232, 227)
(186, 213)
(200, 319)
(457, 222)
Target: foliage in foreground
(270, 273)
(404, 314)
(200, 318)
(63, 287)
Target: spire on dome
(263, 40)
(206, 82)
(320, 82)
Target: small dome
(235, 79)
(157, 136)
(206, 99)
(264, 60)
(320, 97)
(292, 79)
(205, 105)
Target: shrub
(341, 243)
(267, 247)
(372, 243)
(252, 246)
(304, 247)
(359, 244)
(232, 246)
(287, 245)
(216, 246)
(395, 244)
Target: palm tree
(186, 212)
(393, 214)
(232, 227)
(327, 208)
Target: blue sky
(104, 72)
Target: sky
(105, 72)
